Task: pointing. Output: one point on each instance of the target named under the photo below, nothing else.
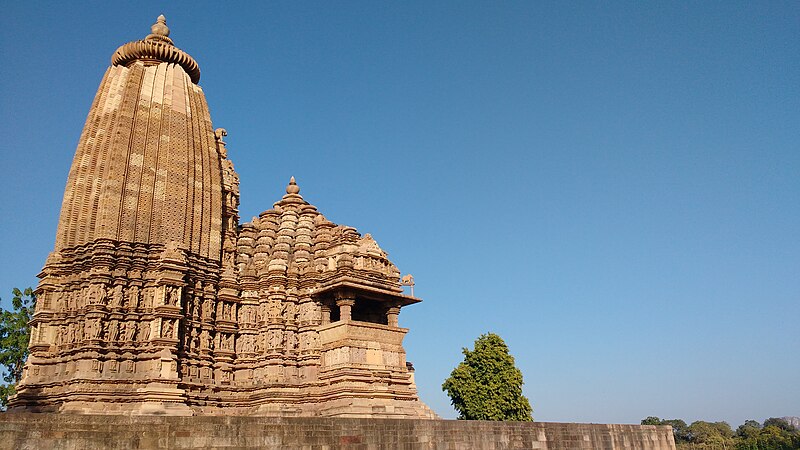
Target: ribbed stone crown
(157, 47)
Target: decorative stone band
(149, 50)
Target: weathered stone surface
(156, 301)
(37, 431)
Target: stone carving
(291, 341)
(205, 340)
(96, 294)
(275, 339)
(144, 331)
(116, 297)
(173, 295)
(229, 176)
(289, 311)
(305, 341)
(208, 308)
(225, 342)
(113, 331)
(59, 336)
(308, 312)
(274, 309)
(147, 300)
(133, 297)
(172, 251)
(129, 331)
(195, 306)
(167, 329)
(94, 329)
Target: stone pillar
(345, 301)
(326, 314)
(391, 316)
(345, 308)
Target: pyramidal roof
(293, 237)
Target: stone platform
(22, 431)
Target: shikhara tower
(155, 299)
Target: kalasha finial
(160, 27)
(292, 188)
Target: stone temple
(155, 300)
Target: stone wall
(62, 431)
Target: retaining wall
(21, 431)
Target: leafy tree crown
(776, 434)
(487, 385)
(14, 337)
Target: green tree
(774, 437)
(702, 435)
(14, 337)
(716, 433)
(487, 385)
(679, 429)
(778, 422)
(652, 420)
(749, 429)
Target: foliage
(777, 422)
(679, 428)
(652, 420)
(775, 434)
(716, 433)
(749, 429)
(14, 337)
(487, 385)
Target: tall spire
(140, 233)
(150, 121)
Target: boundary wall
(22, 431)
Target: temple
(155, 300)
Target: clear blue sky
(613, 187)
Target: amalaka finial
(157, 47)
(160, 27)
(292, 188)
